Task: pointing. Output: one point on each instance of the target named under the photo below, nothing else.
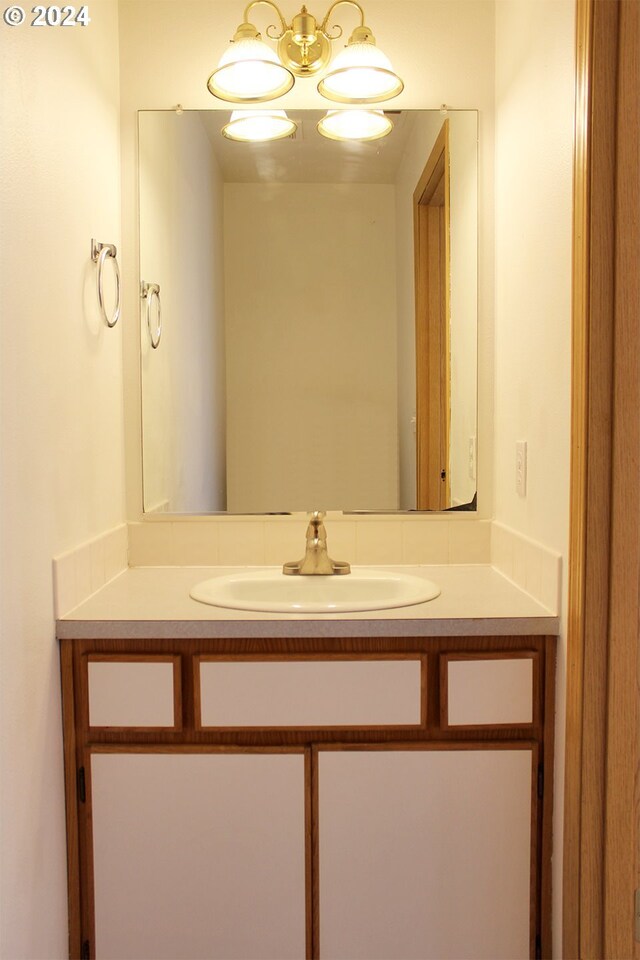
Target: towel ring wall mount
(100, 253)
(149, 292)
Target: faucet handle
(316, 560)
(316, 526)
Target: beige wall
(534, 117)
(62, 422)
(62, 470)
(311, 347)
(183, 380)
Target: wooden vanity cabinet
(321, 798)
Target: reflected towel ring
(148, 291)
(100, 252)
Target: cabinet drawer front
(311, 693)
(125, 692)
(488, 690)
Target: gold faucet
(316, 561)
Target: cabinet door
(425, 853)
(198, 855)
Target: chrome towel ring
(99, 254)
(148, 291)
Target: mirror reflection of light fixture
(250, 71)
(355, 125)
(258, 126)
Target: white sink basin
(270, 591)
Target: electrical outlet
(472, 458)
(521, 468)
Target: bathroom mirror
(294, 279)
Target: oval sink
(270, 591)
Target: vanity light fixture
(251, 72)
(258, 126)
(359, 125)
(361, 73)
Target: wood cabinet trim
(313, 946)
(435, 745)
(87, 902)
(545, 836)
(303, 658)
(194, 748)
(71, 797)
(82, 742)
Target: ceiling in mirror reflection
(286, 376)
(307, 157)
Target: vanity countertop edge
(154, 603)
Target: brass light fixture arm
(323, 28)
(269, 3)
(304, 47)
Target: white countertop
(154, 602)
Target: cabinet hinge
(85, 952)
(540, 781)
(82, 787)
(443, 474)
(538, 947)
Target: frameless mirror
(308, 316)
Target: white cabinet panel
(425, 854)
(309, 693)
(199, 856)
(490, 690)
(129, 693)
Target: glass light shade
(257, 126)
(361, 73)
(355, 125)
(249, 72)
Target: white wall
(183, 380)
(442, 48)
(311, 347)
(534, 128)
(62, 477)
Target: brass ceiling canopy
(250, 71)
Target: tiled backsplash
(80, 572)
(230, 541)
(530, 565)
(238, 541)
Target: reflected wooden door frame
(431, 228)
